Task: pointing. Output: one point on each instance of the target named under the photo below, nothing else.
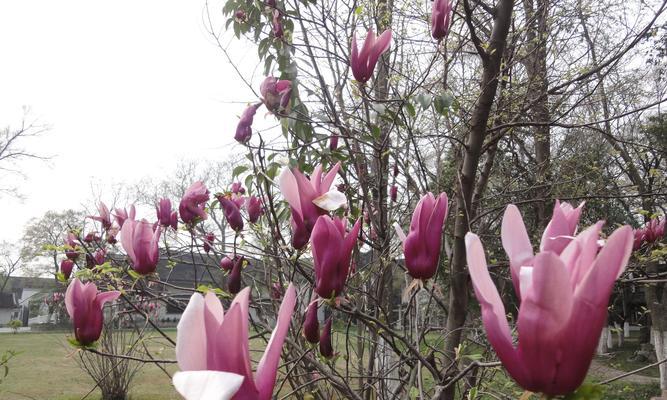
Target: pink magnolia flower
(311, 325)
(654, 230)
(66, 267)
(71, 246)
(440, 18)
(564, 299)
(421, 246)
(561, 228)
(244, 127)
(105, 216)
(308, 199)
(639, 238)
(84, 305)
(557, 235)
(363, 62)
(332, 252)
(326, 348)
(237, 188)
(140, 242)
(193, 203)
(213, 349)
(240, 15)
(232, 212)
(276, 93)
(254, 208)
(209, 239)
(165, 216)
(122, 214)
(277, 24)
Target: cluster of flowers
(652, 232)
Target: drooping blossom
(563, 308)
(308, 199)
(66, 267)
(104, 216)
(244, 127)
(326, 348)
(112, 233)
(213, 349)
(276, 93)
(254, 208)
(277, 24)
(122, 214)
(311, 325)
(140, 242)
(421, 247)
(363, 62)
(84, 305)
(165, 216)
(232, 213)
(440, 18)
(332, 252)
(193, 203)
(209, 239)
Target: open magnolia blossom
(309, 198)
(213, 349)
(563, 298)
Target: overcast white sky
(128, 88)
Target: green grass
(45, 369)
(619, 358)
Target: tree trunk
(458, 294)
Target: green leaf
(358, 10)
(442, 103)
(410, 109)
(239, 170)
(424, 100)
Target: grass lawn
(45, 369)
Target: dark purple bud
(66, 267)
(240, 15)
(277, 291)
(396, 169)
(326, 349)
(277, 24)
(244, 127)
(234, 278)
(91, 237)
(333, 142)
(393, 193)
(227, 263)
(311, 326)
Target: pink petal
(493, 310)
(268, 365)
(127, 238)
(545, 311)
(191, 336)
(207, 385)
(331, 200)
(516, 243)
(231, 352)
(329, 177)
(289, 188)
(107, 296)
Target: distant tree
(41, 237)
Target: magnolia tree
(342, 256)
